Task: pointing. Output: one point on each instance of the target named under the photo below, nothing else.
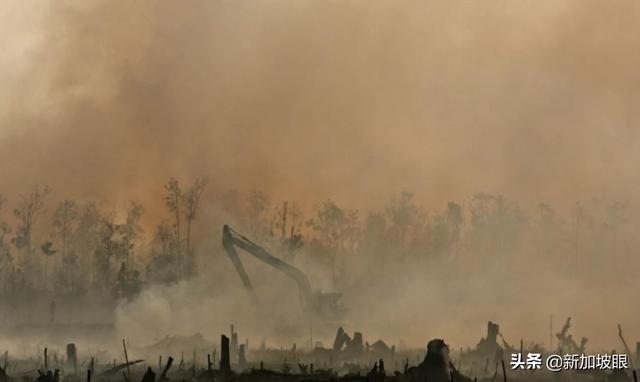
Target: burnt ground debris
(349, 359)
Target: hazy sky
(321, 98)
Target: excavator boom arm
(232, 239)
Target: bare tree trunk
(178, 238)
(188, 243)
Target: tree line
(91, 249)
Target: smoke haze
(352, 101)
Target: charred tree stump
(233, 346)
(242, 359)
(225, 363)
(72, 357)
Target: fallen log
(116, 369)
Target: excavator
(316, 303)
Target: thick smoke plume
(353, 101)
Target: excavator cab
(325, 306)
